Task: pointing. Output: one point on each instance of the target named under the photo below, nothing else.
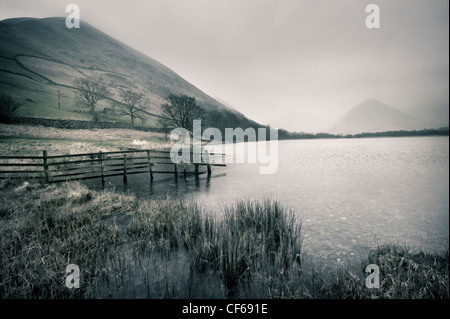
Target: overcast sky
(295, 64)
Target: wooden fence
(61, 168)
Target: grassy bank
(127, 248)
(27, 139)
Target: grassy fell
(128, 248)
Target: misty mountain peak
(371, 116)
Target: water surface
(349, 193)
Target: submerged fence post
(100, 158)
(209, 169)
(196, 169)
(44, 157)
(125, 169)
(149, 165)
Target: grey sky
(296, 64)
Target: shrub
(8, 105)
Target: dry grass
(18, 130)
(31, 140)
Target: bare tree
(8, 105)
(91, 90)
(133, 103)
(182, 110)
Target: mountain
(41, 58)
(373, 116)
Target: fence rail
(61, 168)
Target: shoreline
(165, 249)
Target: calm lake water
(349, 193)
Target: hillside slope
(38, 57)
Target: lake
(349, 193)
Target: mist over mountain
(38, 57)
(373, 116)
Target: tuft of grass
(256, 238)
(406, 272)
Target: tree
(182, 110)
(215, 119)
(166, 125)
(91, 90)
(8, 105)
(133, 102)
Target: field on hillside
(37, 92)
(41, 101)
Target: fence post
(125, 169)
(196, 169)
(149, 165)
(100, 158)
(176, 171)
(207, 161)
(44, 153)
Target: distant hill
(373, 116)
(38, 57)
